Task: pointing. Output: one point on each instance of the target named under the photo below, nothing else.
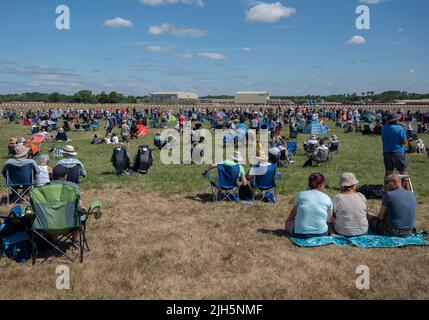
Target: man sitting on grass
(397, 216)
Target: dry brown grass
(149, 246)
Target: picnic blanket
(367, 242)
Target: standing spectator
(125, 132)
(394, 141)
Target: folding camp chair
(19, 181)
(226, 183)
(322, 157)
(292, 147)
(264, 181)
(407, 179)
(56, 216)
(74, 173)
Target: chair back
(19, 175)
(323, 155)
(266, 179)
(292, 146)
(73, 173)
(227, 176)
(55, 207)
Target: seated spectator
(96, 140)
(61, 135)
(13, 143)
(311, 144)
(235, 159)
(20, 159)
(421, 146)
(260, 162)
(397, 216)
(312, 212)
(69, 161)
(334, 144)
(321, 150)
(412, 145)
(44, 176)
(350, 209)
(115, 139)
(107, 139)
(159, 141)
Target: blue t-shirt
(401, 209)
(313, 207)
(393, 135)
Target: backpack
(372, 191)
(144, 159)
(120, 159)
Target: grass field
(159, 239)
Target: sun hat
(393, 117)
(13, 141)
(69, 150)
(313, 137)
(262, 157)
(236, 156)
(21, 151)
(334, 137)
(348, 179)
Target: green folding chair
(56, 215)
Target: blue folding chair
(74, 173)
(19, 181)
(292, 147)
(225, 184)
(265, 180)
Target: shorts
(396, 161)
(126, 139)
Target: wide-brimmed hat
(69, 150)
(394, 117)
(334, 137)
(13, 141)
(21, 151)
(348, 179)
(236, 156)
(313, 137)
(262, 157)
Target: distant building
(162, 97)
(260, 97)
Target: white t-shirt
(43, 177)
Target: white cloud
(263, 12)
(118, 23)
(172, 29)
(356, 40)
(400, 29)
(155, 48)
(154, 3)
(246, 49)
(213, 56)
(412, 71)
(371, 1)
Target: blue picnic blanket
(367, 242)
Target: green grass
(359, 154)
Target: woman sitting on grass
(312, 212)
(350, 209)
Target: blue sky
(288, 47)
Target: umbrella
(46, 123)
(38, 136)
(141, 130)
(34, 146)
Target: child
(44, 177)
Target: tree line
(87, 96)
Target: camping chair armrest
(94, 209)
(210, 177)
